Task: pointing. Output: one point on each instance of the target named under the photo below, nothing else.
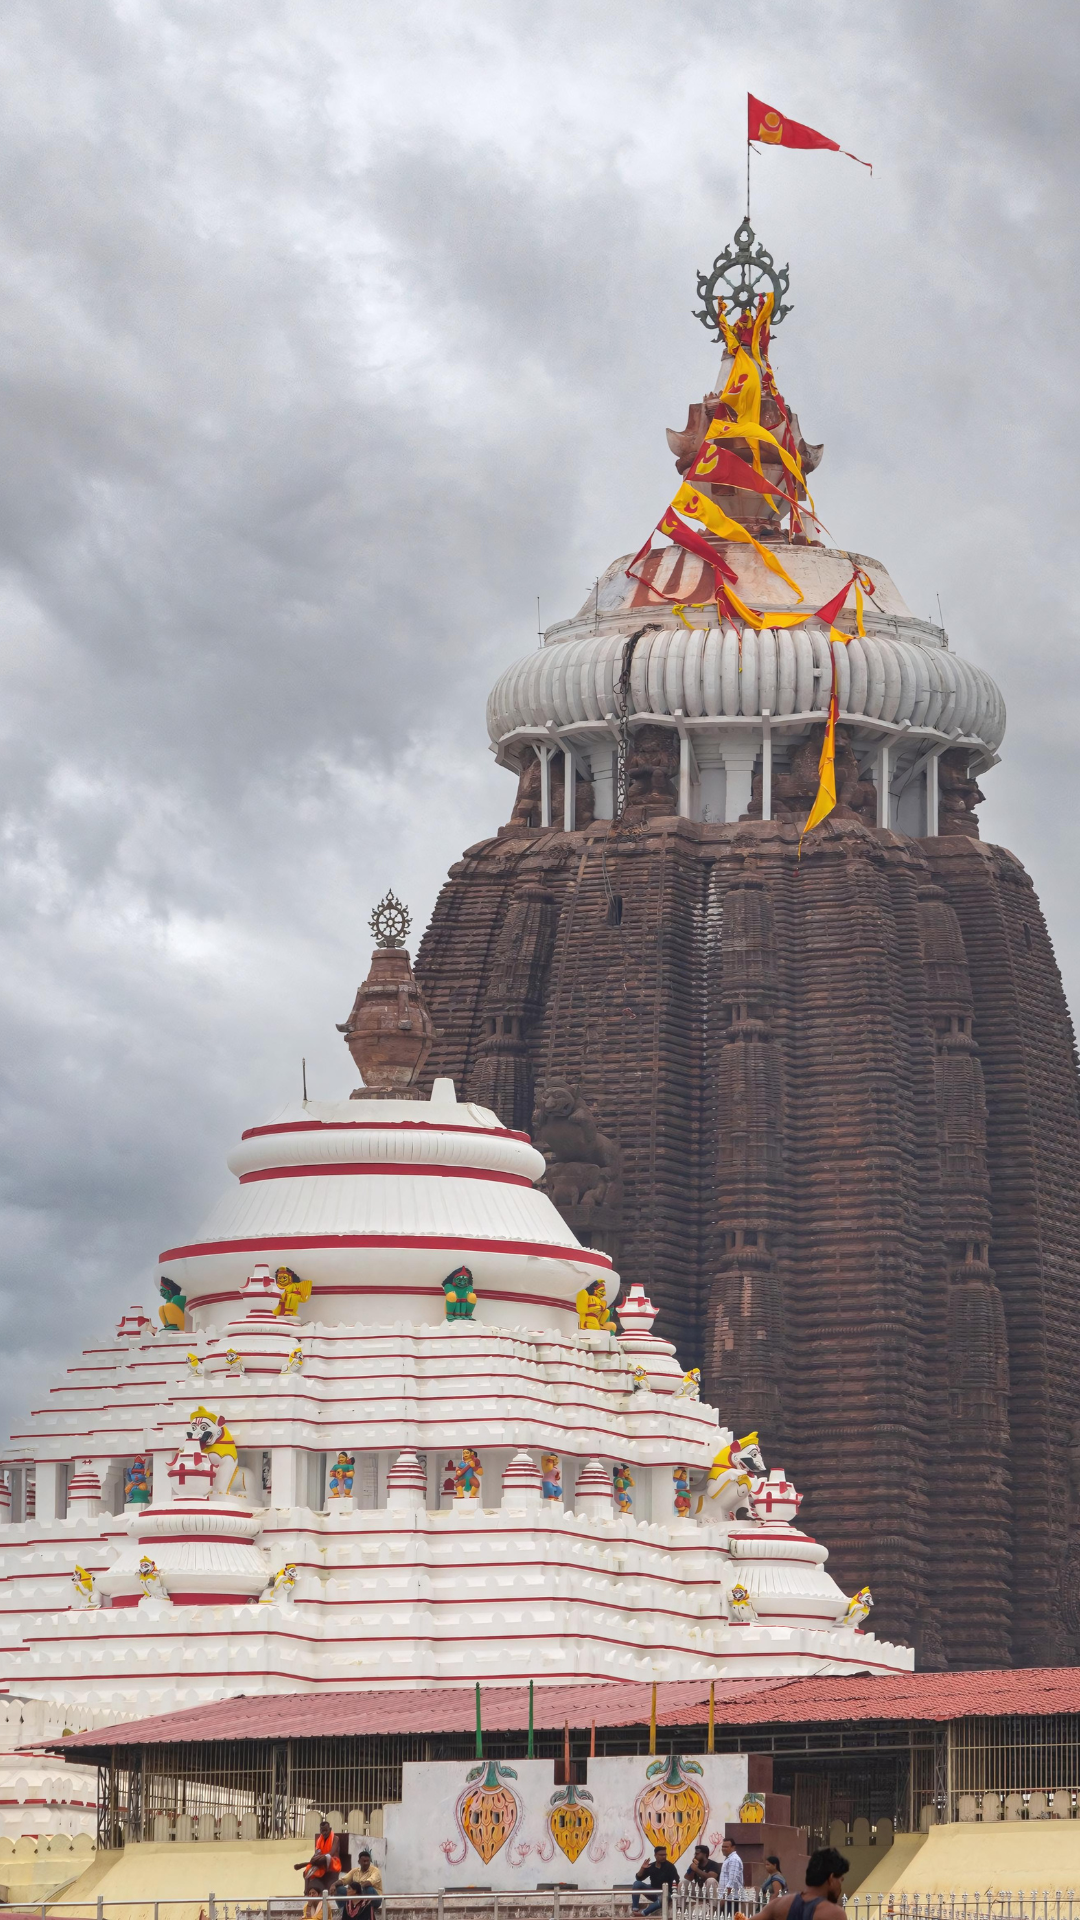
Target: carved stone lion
(958, 795)
(793, 792)
(584, 1167)
(652, 764)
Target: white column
(884, 774)
(711, 776)
(931, 807)
(684, 777)
(545, 786)
(284, 1476)
(163, 1486)
(569, 790)
(739, 758)
(766, 764)
(50, 1489)
(602, 768)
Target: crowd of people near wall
(356, 1891)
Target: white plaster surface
(427, 1844)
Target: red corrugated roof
(896, 1696)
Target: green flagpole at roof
(479, 1728)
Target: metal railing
(993, 1904)
(564, 1902)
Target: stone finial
(133, 1324)
(594, 1494)
(389, 1031)
(84, 1491)
(406, 1483)
(636, 1311)
(522, 1482)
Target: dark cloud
(329, 337)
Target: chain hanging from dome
(740, 275)
(390, 921)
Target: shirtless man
(820, 1898)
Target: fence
(568, 1903)
(475, 1903)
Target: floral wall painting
(511, 1824)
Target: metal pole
(664, 1901)
(213, 1908)
(531, 1749)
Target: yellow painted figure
(292, 1290)
(215, 1439)
(592, 1307)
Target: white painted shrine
(413, 1477)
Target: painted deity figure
(681, 1486)
(858, 1607)
(295, 1361)
(467, 1475)
(281, 1586)
(593, 1311)
(292, 1291)
(740, 1606)
(624, 1488)
(86, 1598)
(339, 1484)
(173, 1309)
(551, 1476)
(731, 1476)
(214, 1438)
(689, 1387)
(194, 1367)
(640, 1382)
(150, 1579)
(234, 1363)
(137, 1483)
(459, 1294)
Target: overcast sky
(330, 336)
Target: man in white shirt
(731, 1873)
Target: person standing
(730, 1884)
(820, 1898)
(774, 1884)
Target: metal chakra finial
(390, 922)
(739, 275)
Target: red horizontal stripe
(298, 1242)
(186, 1600)
(380, 1126)
(386, 1166)
(427, 1293)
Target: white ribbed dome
(699, 673)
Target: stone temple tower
(823, 1106)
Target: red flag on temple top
(776, 130)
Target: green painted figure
(460, 1298)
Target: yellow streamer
(696, 507)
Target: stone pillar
(285, 1465)
(743, 1333)
(545, 786)
(712, 779)
(602, 766)
(766, 764)
(739, 757)
(51, 1489)
(161, 1484)
(932, 796)
(884, 775)
(504, 1071)
(975, 1616)
(684, 776)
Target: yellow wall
(187, 1871)
(968, 1857)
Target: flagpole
(748, 179)
(652, 1721)
(531, 1751)
(711, 1748)
(479, 1728)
